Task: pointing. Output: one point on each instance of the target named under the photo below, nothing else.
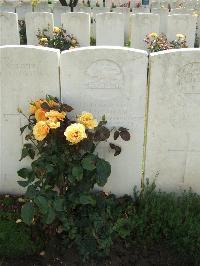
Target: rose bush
(65, 168)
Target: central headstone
(111, 81)
(28, 73)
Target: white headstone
(95, 11)
(181, 11)
(9, 30)
(184, 24)
(126, 12)
(141, 10)
(96, 3)
(155, 4)
(110, 29)
(22, 9)
(77, 24)
(163, 13)
(141, 25)
(36, 21)
(110, 81)
(7, 7)
(58, 10)
(28, 73)
(173, 143)
(42, 7)
(85, 9)
(98, 10)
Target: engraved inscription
(189, 78)
(104, 74)
(116, 115)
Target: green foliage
(92, 41)
(16, 240)
(22, 32)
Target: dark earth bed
(157, 254)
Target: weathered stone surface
(36, 21)
(28, 73)
(110, 81)
(141, 25)
(184, 24)
(77, 24)
(110, 29)
(9, 31)
(173, 143)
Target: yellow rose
(87, 120)
(75, 133)
(153, 35)
(53, 125)
(180, 36)
(40, 130)
(40, 115)
(56, 30)
(43, 40)
(55, 115)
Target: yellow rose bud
(18, 221)
(40, 130)
(75, 133)
(56, 30)
(55, 115)
(87, 120)
(53, 125)
(32, 108)
(40, 115)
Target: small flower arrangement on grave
(66, 165)
(158, 42)
(59, 39)
(179, 42)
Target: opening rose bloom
(40, 115)
(55, 115)
(56, 30)
(40, 130)
(75, 133)
(87, 120)
(34, 106)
